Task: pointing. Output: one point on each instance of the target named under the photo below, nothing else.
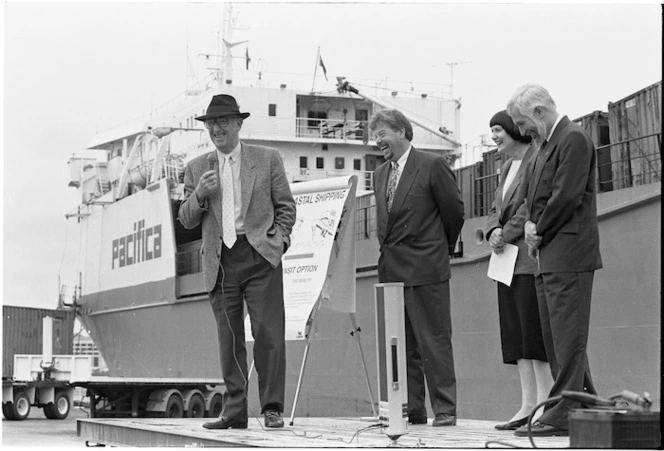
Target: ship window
(303, 162)
(316, 118)
(272, 109)
(339, 163)
(320, 163)
(361, 115)
(357, 164)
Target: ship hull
(169, 337)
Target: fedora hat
(222, 105)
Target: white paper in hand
(501, 266)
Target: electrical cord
(529, 423)
(641, 403)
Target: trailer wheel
(19, 409)
(59, 409)
(196, 407)
(8, 411)
(215, 406)
(174, 406)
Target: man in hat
(240, 195)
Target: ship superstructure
(141, 268)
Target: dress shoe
(273, 419)
(541, 430)
(417, 419)
(444, 419)
(512, 425)
(225, 423)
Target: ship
(140, 292)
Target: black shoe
(512, 425)
(444, 419)
(417, 419)
(225, 423)
(273, 419)
(541, 430)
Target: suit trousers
(429, 349)
(564, 305)
(245, 276)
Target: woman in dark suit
(520, 327)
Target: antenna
(191, 84)
(452, 64)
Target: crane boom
(344, 86)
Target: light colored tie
(392, 186)
(228, 204)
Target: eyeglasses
(220, 121)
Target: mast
(226, 63)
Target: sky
(73, 69)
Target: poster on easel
(320, 263)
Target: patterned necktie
(392, 185)
(228, 204)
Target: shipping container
(635, 134)
(465, 177)
(493, 161)
(596, 124)
(22, 333)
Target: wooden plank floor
(305, 433)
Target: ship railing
(331, 129)
(295, 175)
(632, 162)
(351, 130)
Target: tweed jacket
(267, 204)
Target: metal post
(391, 349)
(356, 333)
(299, 380)
(307, 334)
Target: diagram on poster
(324, 210)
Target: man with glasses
(240, 195)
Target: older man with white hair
(562, 235)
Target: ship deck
(304, 433)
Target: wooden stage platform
(305, 433)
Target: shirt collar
(233, 155)
(555, 124)
(402, 161)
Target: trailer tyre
(59, 409)
(8, 411)
(196, 407)
(215, 406)
(175, 406)
(19, 409)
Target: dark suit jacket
(505, 213)
(561, 201)
(426, 217)
(267, 203)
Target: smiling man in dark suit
(562, 236)
(420, 215)
(240, 195)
